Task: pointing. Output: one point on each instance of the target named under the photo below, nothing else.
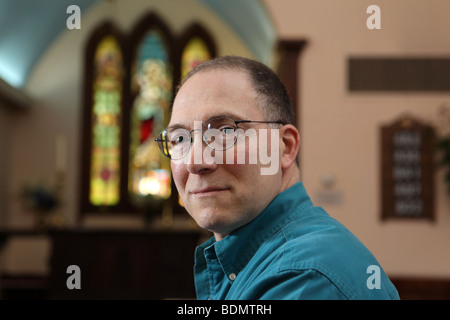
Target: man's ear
(290, 144)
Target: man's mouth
(209, 191)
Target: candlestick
(61, 153)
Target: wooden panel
(420, 288)
(289, 51)
(124, 265)
(398, 74)
(23, 286)
(34, 287)
(407, 169)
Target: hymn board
(407, 170)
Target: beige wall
(340, 130)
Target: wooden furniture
(121, 264)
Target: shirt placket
(216, 275)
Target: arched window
(196, 46)
(103, 120)
(107, 88)
(128, 95)
(151, 90)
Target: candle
(61, 153)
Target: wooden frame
(407, 170)
(290, 51)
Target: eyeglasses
(219, 133)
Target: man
(269, 241)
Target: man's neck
(290, 177)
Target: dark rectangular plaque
(407, 170)
(398, 74)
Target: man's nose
(200, 162)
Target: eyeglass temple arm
(247, 121)
(164, 144)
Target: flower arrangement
(443, 142)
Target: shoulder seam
(336, 283)
(323, 271)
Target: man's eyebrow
(227, 114)
(221, 114)
(176, 126)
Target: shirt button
(232, 276)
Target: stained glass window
(149, 172)
(128, 94)
(195, 52)
(106, 124)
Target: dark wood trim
(289, 51)
(23, 286)
(422, 288)
(398, 74)
(36, 287)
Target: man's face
(220, 197)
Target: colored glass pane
(195, 52)
(149, 173)
(106, 124)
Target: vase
(41, 220)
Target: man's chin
(215, 221)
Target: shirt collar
(236, 249)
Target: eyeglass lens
(219, 133)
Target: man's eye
(227, 130)
(178, 140)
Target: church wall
(340, 130)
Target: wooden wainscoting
(415, 288)
(113, 264)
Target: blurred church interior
(82, 98)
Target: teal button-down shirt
(292, 250)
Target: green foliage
(443, 146)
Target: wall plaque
(399, 74)
(407, 169)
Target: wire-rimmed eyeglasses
(219, 133)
